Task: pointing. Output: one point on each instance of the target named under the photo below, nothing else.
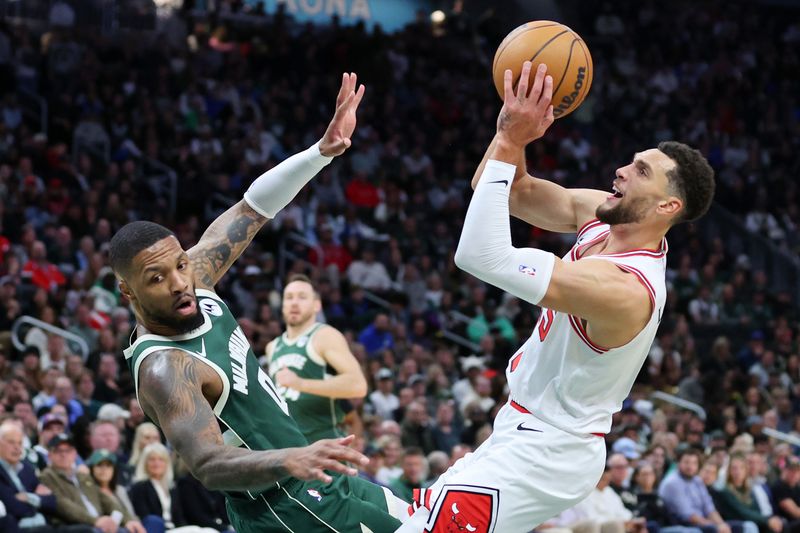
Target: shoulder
(325, 334)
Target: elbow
(463, 258)
(360, 390)
(202, 469)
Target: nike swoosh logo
(504, 182)
(202, 352)
(523, 428)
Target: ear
(317, 305)
(670, 207)
(125, 289)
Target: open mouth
(615, 193)
(186, 306)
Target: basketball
(563, 51)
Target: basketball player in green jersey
(312, 364)
(196, 375)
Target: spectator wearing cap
(414, 471)
(377, 336)
(50, 425)
(105, 435)
(103, 468)
(786, 491)
(79, 500)
(383, 399)
(416, 428)
(686, 496)
(26, 500)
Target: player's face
(162, 287)
(300, 303)
(640, 190)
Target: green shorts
(347, 505)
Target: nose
(179, 283)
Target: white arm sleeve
(275, 188)
(485, 248)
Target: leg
(518, 481)
(153, 524)
(612, 526)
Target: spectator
(368, 273)
(78, 498)
(377, 336)
(415, 470)
(64, 394)
(104, 435)
(41, 272)
(686, 496)
(786, 491)
(146, 433)
(25, 499)
(392, 452)
(416, 430)
(50, 425)
(736, 501)
(370, 470)
(383, 399)
(103, 469)
(153, 493)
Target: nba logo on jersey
(528, 270)
(315, 494)
(211, 307)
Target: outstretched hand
(337, 137)
(312, 461)
(525, 116)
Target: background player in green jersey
(198, 379)
(312, 364)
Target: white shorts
(527, 472)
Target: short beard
(179, 325)
(634, 212)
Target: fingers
(538, 82)
(346, 441)
(316, 473)
(342, 89)
(359, 95)
(508, 89)
(547, 92)
(524, 80)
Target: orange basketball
(563, 51)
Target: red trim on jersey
(515, 361)
(577, 250)
(577, 325)
(599, 434)
(643, 280)
(583, 229)
(519, 408)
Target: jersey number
(545, 322)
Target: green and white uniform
(318, 417)
(253, 415)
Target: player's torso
(252, 412)
(317, 416)
(561, 375)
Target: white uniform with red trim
(566, 379)
(546, 452)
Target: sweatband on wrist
(274, 189)
(485, 248)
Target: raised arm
(227, 237)
(593, 290)
(542, 203)
(172, 389)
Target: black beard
(179, 325)
(622, 214)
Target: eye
(182, 265)
(642, 171)
(158, 278)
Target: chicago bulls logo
(464, 509)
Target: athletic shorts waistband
(522, 409)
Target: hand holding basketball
(526, 115)
(337, 137)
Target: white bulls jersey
(564, 378)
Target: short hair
(305, 279)
(130, 240)
(692, 178)
(413, 451)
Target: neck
(626, 237)
(292, 332)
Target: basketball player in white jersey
(601, 305)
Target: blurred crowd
(220, 99)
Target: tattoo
(503, 120)
(171, 385)
(223, 242)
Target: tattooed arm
(223, 242)
(228, 236)
(175, 390)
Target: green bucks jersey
(318, 417)
(251, 411)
